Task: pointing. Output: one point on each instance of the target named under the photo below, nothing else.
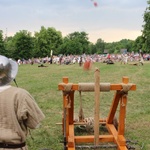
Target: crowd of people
(104, 58)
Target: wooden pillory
(115, 136)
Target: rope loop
(67, 87)
(125, 88)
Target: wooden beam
(118, 139)
(112, 130)
(113, 108)
(71, 142)
(75, 87)
(90, 138)
(71, 109)
(122, 115)
(96, 110)
(71, 148)
(101, 121)
(125, 80)
(121, 142)
(65, 80)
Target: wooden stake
(96, 112)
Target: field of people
(42, 83)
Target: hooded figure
(19, 111)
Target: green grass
(42, 83)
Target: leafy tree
(75, 43)
(100, 46)
(139, 44)
(115, 47)
(23, 45)
(92, 48)
(9, 46)
(127, 44)
(47, 40)
(146, 27)
(2, 48)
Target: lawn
(42, 83)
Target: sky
(110, 20)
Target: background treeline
(24, 46)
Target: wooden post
(122, 114)
(65, 80)
(71, 109)
(96, 112)
(65, 119)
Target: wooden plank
(75, 87)
(122, 115)
(118, 139)
(96, 110)
(122, 148)
(113, 108)
(125, 80)
(71, 109)
(65, 80)
(121, 140)
(71, 148)
(71, 142)
(90, 138)
(112, 130)
(101, 121)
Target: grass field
(42, 83)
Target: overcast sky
(111, 20)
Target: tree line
(24, 46)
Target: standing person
(87, 64)
(141, 60)
(18, 110)
(80, 61)
(108, 56)
(60, 60)
(124, 58)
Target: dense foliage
(2, 48)
(24, 46)
(146, 28)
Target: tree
(75, 43)
(127, 44)
(146, 27)
(23, 45)
(115, 47)
(2, 48)
(92, 48)
(47, 40)
(100, 46)
(9, 47)
(139, 44)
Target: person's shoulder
(18, 90)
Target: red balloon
(95, 4)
